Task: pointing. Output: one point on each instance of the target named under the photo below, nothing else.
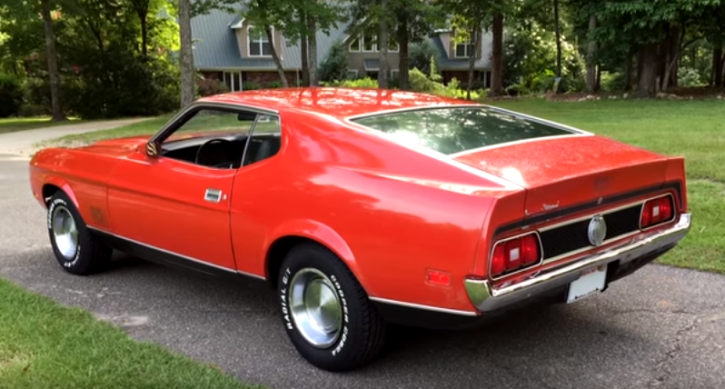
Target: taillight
(656, 211)
(515, 254)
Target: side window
(265, 140)
(211, 137)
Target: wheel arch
(54, 184)
(306, 231)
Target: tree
(186, 56)
(265, 15)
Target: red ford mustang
(367, 207)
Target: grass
(146, 127)
(693, 129)
(21, 124)
(44, 345)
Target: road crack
(662, 365)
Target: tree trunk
(558, 46)
(312, 49)
(404, 57)
(647, 86)
(275, 58)
(475, 38)
(144, 35)
(591, 56)
(304, 53)
(673, 48)
(497, 57)
(640, 63)
(186, 57)
(50, 52)
(717, 66)
(629, 76)
(383, 49)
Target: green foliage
(420, 56)
(211, 86)
(251, 85)
(274, 84)
(419, 82)
(334, 66)
(689, 77)
(11, 97)
(530, 61)
(366, 82)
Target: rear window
(457, 129)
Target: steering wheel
(227, 147)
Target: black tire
(362, 332)
(89, 255)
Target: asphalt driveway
(662, 327)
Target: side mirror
(152, 149)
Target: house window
(259, 45)
(351, 74)
(464, 49)
(394, 73)
(370, 43)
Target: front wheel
(326, 312)
(75, 248)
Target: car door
(172, 204)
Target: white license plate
(587, 284)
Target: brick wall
(265, 78)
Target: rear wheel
(75, 248)
(326, 312)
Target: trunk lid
(565, 171)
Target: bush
(211, 86)
(251, 85)
(11, 96)
(32, 110)
(334, 66)
(688, 77)
(366, 82)
(422, 56)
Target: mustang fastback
(362, 208)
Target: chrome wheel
(65, 232)
(316, 307)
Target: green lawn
(693, 129)
(20, 124)
(44, 345)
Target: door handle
(213, 195)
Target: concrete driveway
(20, 143)
(660, 328)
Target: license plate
(587, 284)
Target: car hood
(562, 171)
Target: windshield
(457, 129)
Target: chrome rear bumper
(489, 299)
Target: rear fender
(320, 233)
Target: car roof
(337, 102)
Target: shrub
(274, 84)
(334, 66)
(211, 86)
(11, 96)
(366, 82)
(32, 110)
(422, 56)
(251, 85)
(688, 77)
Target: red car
(362, 208)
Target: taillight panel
(656, 211)
(514, 254)
(523, 252)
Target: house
(228, 48)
